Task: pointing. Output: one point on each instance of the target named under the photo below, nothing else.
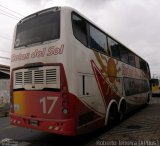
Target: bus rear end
(39, 90)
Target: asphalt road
(143, 125)
(142, 128)
(27, 137)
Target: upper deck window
(80, 28)
(114, 47)
(137, 61)
(131, 57)
(123, 54)
(37, 28)
(98, 39)
(144, 66)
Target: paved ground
(140, 129)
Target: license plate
(34, 122)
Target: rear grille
(27, 77)
(51, 76)
(37, 78)
(18, 78)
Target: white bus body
(68, 81)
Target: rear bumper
(62, 127)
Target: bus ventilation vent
(28, 77)
(38, 78)
(18, 78)
(51, 76)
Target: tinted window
(124, 54)
(38, 28)
(80, 29)
(137, 61)
(131, 58)
(114, 47)
(97, 39)
(135, 86)
(143, 66)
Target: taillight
(65, 103)
(64, 89)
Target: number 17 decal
(50, 99)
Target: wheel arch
(122, 100)
(112, 102)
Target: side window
(131, 58)
(124, 54)
(97, 39)
(137, 61)
(135, 86)
(143, 66)
(80, 29)
(114, 47)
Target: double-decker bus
(69, 77)
(155, 87)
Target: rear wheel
(122, 114)
(113, 115)
(122, 111)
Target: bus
(155, 87)
(70, 77)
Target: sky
(135, 23)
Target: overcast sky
(136, 23)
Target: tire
(113, 116)
(122, 111)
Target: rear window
(38, 27)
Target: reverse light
(65, 111)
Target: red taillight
(65, 103)
(64, 96)
(64, 89)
